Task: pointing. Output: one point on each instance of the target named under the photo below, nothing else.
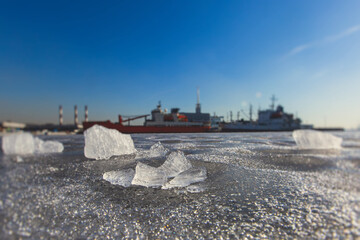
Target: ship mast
(76, 119)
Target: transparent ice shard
(195, 188)
(122, 177)
(175, 163)
(311, 139)
(18, 143)
(102, 143)
(158, 150)
(19, 159)
(186, 178)
(148, 176)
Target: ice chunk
(175, 163)
(195, 188)
(18, 143)
(19, 159)
(25, 143)
(312, 139)
(102, 143)
(148, 176)
(158, 150)
(122, 177)
(186, 178)
(47, 146)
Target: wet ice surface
(257, 184)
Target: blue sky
(125, 56)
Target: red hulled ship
(161, 122)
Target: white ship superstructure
(268, 120)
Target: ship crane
(250, 113)
(244, 113)
(132, 118)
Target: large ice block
(186, 178)
(148, 176)
(175, 163)
(18, 143)
(102, 143)
(47, 146)
(311, 139)
(122, 177)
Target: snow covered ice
(187, 177)
(103, 143)
(121, 177)
(258, 185)
(148, 176)
(175, 163)
(25, 143)
(311, 139)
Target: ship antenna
(250, 112)
(273, 99)
(61, 115)
(76, 119)
(198, 107)
(198, 95)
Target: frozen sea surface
(258, 185)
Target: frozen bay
(258, 184)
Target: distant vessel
(268, 120)
(160, 122)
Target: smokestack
(86, 114)
(76, 120)
(60, 115)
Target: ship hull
(259, 130)
(256, 128)
(148, 129)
